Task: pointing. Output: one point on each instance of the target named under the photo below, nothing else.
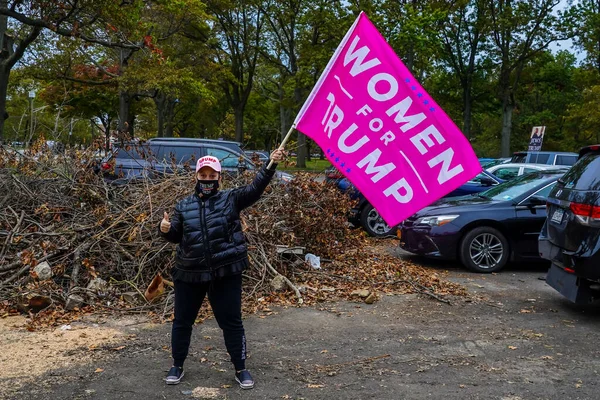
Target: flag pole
(283, 142)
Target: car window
(227, 158)
(527, 170)
(507, 172)
(513, 188)
(545, 191)
(584, 174)
(538, 158)
(179, 154)
(565, 160)
(133, 152)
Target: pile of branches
(102, 245)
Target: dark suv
(570, 238)
(161, 156)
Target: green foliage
(242, 69)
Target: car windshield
(492, 163)
(513, 188)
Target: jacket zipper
(205, 235)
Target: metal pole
(30, 118)
(283, 142)
(71, 132)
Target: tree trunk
(285, 114)
(4, 75)
(130, 124)
(507, 110)
(238, 113)
(124, 108)
(159, 101)
(169, 117)
(301, 157)
(467, 108)
(160, 122)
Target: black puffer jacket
(209, 232)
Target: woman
(211, 256)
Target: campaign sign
(537, 138)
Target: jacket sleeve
(249, 194)
(175, 233)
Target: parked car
(570, 238)
(163, 156)
(366, 216)
(230, 144)
(261, 155)
(333, 175)
(512, 170)
(484, 230)
(544, 157)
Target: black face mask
(207, 188)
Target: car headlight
(437, 220)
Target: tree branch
(40, 24)
(18, 53)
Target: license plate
(558, 216)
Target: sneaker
(244, 378)
(174, 376)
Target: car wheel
(373, 224)
(484, 249)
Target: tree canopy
(241, 70)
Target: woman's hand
(165, 225)
(277, 156)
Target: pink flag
(380, 128)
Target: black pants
(225, 296)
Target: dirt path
(525, 342)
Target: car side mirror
(537, 201)
(487, 182)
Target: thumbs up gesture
(165, 225)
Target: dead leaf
(98, 370)
(512, 347)
(315, 386)
(155, 289)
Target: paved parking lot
(514, 339)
